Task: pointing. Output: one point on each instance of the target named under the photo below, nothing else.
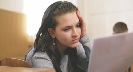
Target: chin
(74, 45)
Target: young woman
(61, 42)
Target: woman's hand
(83, 26)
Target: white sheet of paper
(112, 53)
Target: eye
(66, 29)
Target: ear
(51, 32)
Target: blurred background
(21, 19)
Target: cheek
(63, 36)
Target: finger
(80, 17)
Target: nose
(74, 32)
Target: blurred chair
(129, 70)
(14, 62)
(0, 62)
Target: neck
(61, 47)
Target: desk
(22, 69)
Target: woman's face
(68, 31)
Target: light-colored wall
(101, 15)
(12, 5)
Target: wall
(103, 14)
(12, 5)
(13, 36)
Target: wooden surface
(131, 68)
(14, 62)
(21, 69)
(13, 34)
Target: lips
(75, 40)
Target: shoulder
(36, 55)
(41, 60)
(41, 55)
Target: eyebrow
(70, 26)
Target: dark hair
(120, 27)
(44, 41)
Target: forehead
(67, 19)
